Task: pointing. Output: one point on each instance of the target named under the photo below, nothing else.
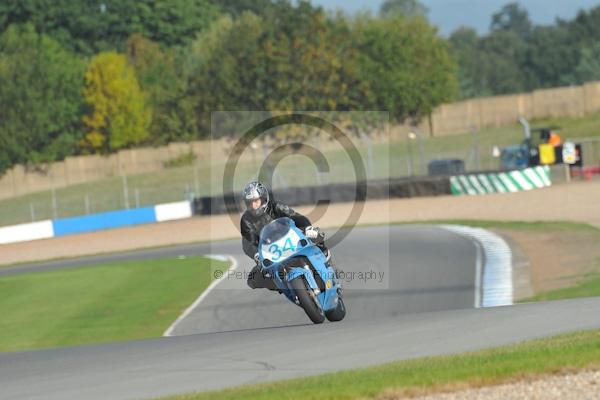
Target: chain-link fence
(408, 157)
(402, 155)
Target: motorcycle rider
(261, 209)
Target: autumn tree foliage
(119, 116)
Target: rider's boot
(257, 279)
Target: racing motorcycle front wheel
(308, 300)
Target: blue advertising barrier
(89, 223)
(107, 220)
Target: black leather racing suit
(250, 227)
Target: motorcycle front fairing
(281, 245)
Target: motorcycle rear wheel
(307, 301)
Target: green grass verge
(589, 286)
(491, 224)
(542, 356)
(543, 226)
(95, 304)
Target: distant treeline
(92, 77)
(517, 56)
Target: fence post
(417, 133)
(54, 204)
(411, 168)
(125, 191)
(476, 148)
(196, 181)
(370, 162)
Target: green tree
(584, 30)
(40, 98)
(500, 63)
(408, 8)
(91, 26)
(235, 8)
(513, 18)
(292, 58)
(119, 116)
(517, 56)
(309, 60)
(464, 47)
(407, 66)
(172, 22)
(550, 58)
(582, 36)
(223, 69)
(588, 68)
(160, 76)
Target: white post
(411, 136)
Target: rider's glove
(311, 232)
(256, 258)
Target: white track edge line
(213, 284)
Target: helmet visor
(254, 204)
(257, 203)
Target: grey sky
(450, 14)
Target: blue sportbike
(298, 268)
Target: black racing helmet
(253, 191)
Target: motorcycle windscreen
(278, 240)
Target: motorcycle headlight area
(283, 248)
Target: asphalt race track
(423, 306)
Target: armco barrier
(337, 193)
(501, 182)
(25, 232)
(173, 211)
(94, 222)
